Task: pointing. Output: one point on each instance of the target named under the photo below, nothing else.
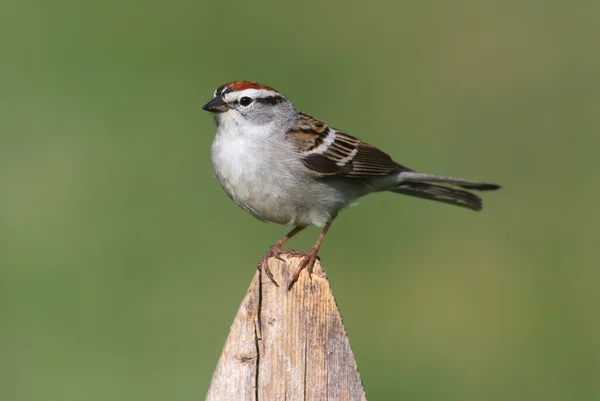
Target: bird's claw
(275, 252)
(308, 263)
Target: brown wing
(329, 152)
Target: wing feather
(331, 152)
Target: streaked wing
(329, 152)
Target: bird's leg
(310, 257)
(275, 251)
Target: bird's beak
(216, 105)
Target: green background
(122, 262)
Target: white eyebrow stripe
(250, 92)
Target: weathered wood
(287, 345)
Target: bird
(284, 166)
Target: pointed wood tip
(287, 344)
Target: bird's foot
(310, 257)
(275, 251)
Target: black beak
(216, 105)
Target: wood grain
(287, 345)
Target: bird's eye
(245, 101)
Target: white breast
(266, 178)
(256, 175)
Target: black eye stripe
(270, 99)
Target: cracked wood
(287, 345)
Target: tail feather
(411, 176)
(439, 193)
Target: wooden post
(287, 345)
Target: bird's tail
(421, 185)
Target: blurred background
(122, 262)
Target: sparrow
(283, 166)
